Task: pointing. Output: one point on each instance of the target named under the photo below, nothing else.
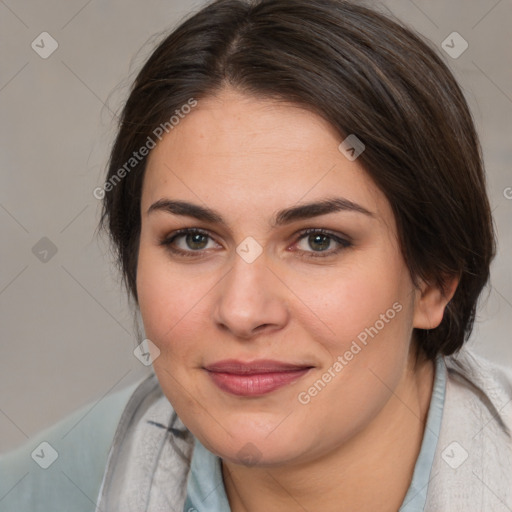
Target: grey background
(66, 329)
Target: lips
(255, 378)
(254, 367)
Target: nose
(250, 300)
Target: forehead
(254, 151)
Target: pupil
(196, 241)
(319, 242)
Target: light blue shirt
(205, 486)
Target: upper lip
(254, 367)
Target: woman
(297, 202)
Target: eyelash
(343, 243)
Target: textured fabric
(71, 482)
(473, 463)
(206, 491)
(150, 456)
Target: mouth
(256, 378)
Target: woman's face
(248, 282)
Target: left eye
(320, 241)
(317, 242)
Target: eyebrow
(283, 217)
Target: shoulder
(150, 456)
(473, 459)
(61, 468)
(468, 363)
(486, 384)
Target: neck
(371, 472)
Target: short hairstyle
(366, 74)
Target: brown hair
(364, 73)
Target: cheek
(172, 311)
(366, 324)
(172, 304)
(362, 302)
(366, 347)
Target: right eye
(189, 242)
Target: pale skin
(355, 444)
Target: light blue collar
(205, 486)
(416, 496)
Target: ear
(431, 301)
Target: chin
(248, 446)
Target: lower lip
(255, 384)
